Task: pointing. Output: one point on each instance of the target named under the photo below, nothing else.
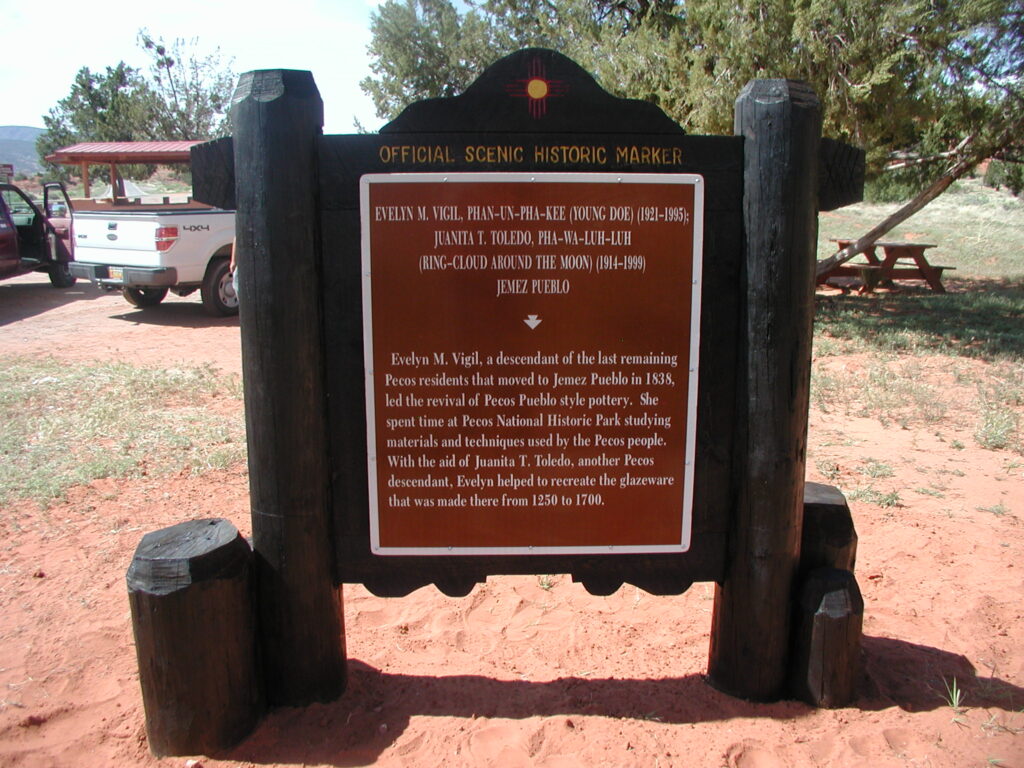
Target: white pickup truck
(146, 251)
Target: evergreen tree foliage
(917, 83)
(427, 48)
(114, 105)
(424, 49)
(1001, 174)
(185, 96)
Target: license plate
(115, 273)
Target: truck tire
(218, 292)
(60, 275)
(143, 297)
(60, 271)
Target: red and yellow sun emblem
(536, 88)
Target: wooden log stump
(190, 589)
(828, 624)
(829, 538)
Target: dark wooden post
(278, 118)
(750, 638)
(190, 590)
(829, 538)
(830, 611)
(829, 622)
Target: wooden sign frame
(431, 142)
(301, 315)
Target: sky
(46, 43)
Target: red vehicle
(34, 240)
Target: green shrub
(1003, 174)
(892, 187)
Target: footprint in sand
(499, 745)
(750, 755)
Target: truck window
(21, 211)
(56, 209)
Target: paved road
(131, 189)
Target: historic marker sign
(530, 343)
(531, 349)
(531, 272)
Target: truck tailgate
(117, 239)
(184, 240)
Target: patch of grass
(872, 495)
(883, 396)
(877, 469)
(982, 321)
(999, 510)
(889, 391)
(954, 696)
(901, 394)
(1007, 384)
(67, 425)
(890, 499)
(828, 469)
(992, 725)
(899, 385)
(997, 426)
(826, 388)
(824, 346)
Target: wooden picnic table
(902, 260)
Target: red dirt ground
(516, 674)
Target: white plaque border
(693, 364)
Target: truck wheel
(60, 271)
(60, 275)
(218, 292)
(143, 297)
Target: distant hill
(18, 147)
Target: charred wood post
(829, 615)
(780, 122)
(829, 538)
(191, 596)
(278, 119)
(828, 625)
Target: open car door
(9, 258)
(57, 206)
(29, 226)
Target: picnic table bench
(901, 261)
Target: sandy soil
(516, 673)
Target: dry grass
(69, 425)
(978, 230)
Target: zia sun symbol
(536, 88)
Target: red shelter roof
(150, 152)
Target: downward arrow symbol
(533, 321)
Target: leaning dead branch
(970, 155)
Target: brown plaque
(531, 359)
